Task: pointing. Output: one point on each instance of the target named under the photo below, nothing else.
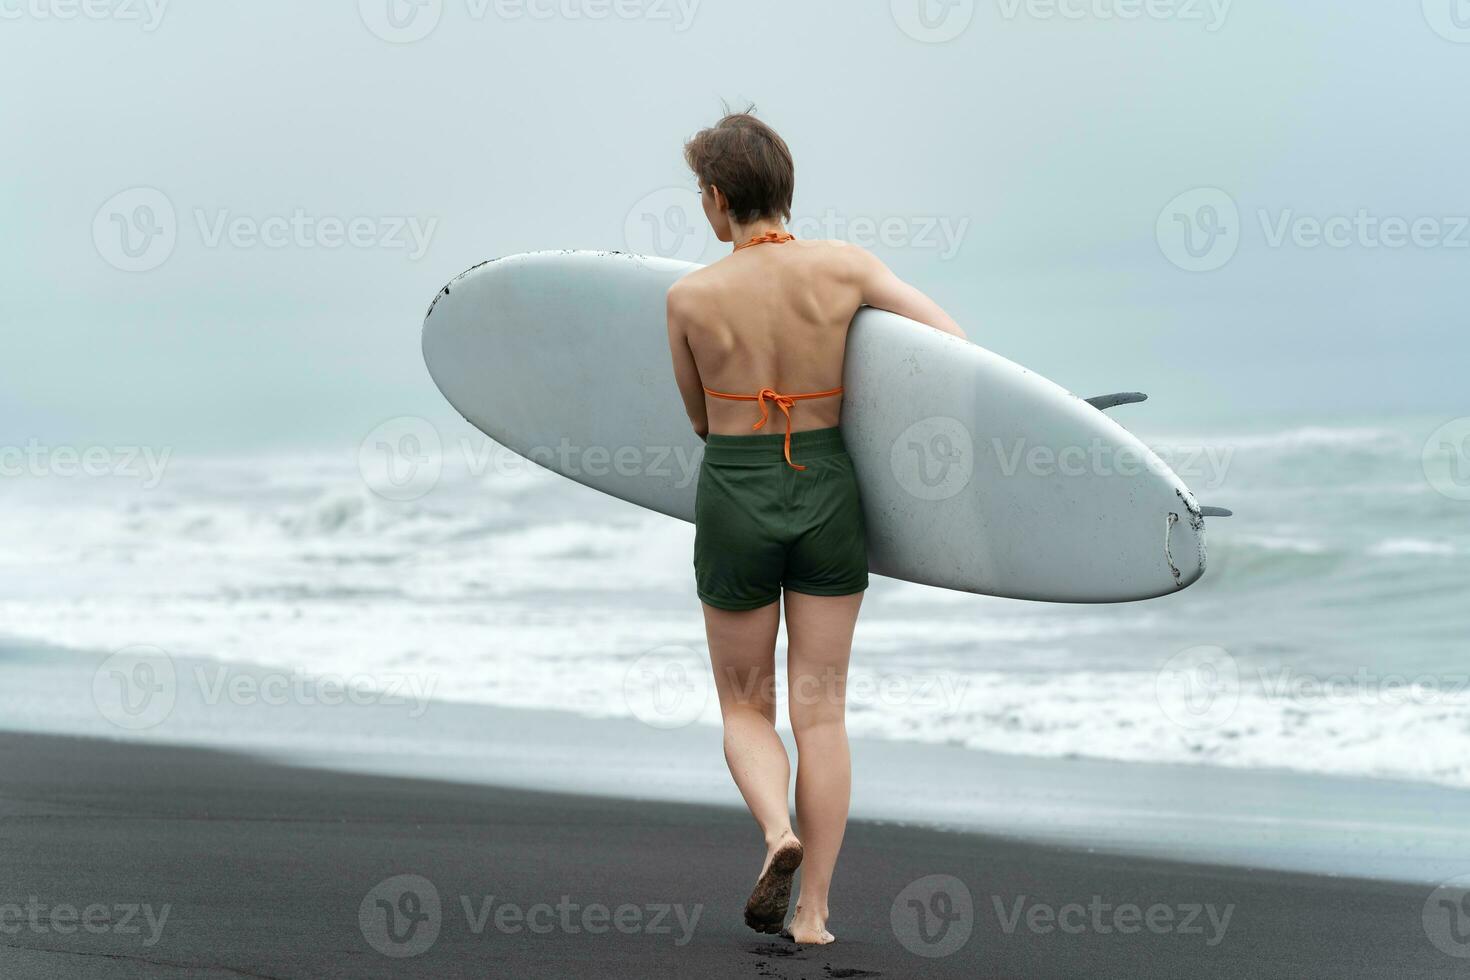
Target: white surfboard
(975, 473)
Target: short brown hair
(749, 162)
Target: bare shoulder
(844, 261)
(688, 292)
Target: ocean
(1328, 635)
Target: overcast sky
(224, 220)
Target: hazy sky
(289, 184)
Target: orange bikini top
(783, 402)
(770, 237)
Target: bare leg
(819, 630)
(742, 647)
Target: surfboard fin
(1105, 402)
(1216, 512)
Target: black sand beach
(124, 860)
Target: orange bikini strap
(772, 237)
(783, 402)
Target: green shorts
(761, 526)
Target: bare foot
(809, 927)
(765, 910)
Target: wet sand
(130, 860)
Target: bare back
(773, 315)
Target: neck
(741, 233)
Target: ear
(720, 201)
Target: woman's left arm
(686, 372)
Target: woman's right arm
(686, 371)
(883, 290)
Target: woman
(759, 337)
